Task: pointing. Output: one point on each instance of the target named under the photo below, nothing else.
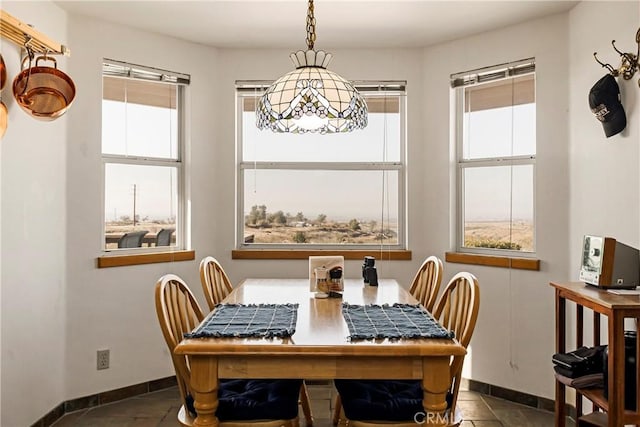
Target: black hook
(612, 70)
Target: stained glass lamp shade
(311, 98)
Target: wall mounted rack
(25, 36)
(629, 61)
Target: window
(142, 150)
(496, 151)
(316, 191)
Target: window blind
(113, 68)
(140, 85)
(496, 72)
(501, 93)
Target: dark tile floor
(159, 409)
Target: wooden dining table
(320, 348)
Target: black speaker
(630, 338)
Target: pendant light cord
(311, 26)
(385, 189)
(513, 356)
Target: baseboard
(515, 396)
(155, 385)
(103, 398)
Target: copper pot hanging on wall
(43, 92)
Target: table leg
(579, 343)
(616, 369)
(204, 385)
(435, 384)
(561, 312)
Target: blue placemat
(253, 320)
(391, 321)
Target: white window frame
(139, 72)
(458, 82)
(255, 88)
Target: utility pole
(134, 205)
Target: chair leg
(344, 421)
(337, 408)
(306, 405)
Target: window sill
(493, 261)
(148, 258)
(394, 255)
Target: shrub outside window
(313, 191)
(496, 151)
(142, 150)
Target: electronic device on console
(607, 263)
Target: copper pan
(43, 92)
(3, 119)
(3, 108)
(3, 73)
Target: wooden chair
(215, 282)
(178, 312)
(424, 288)
(216, 286)
(426, 283)
(132, 239)
(456, 310)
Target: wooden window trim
(493, 261)
(393, 255)
(148, 258)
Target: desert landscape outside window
(323, 191)
(142, 119)
(496, 149)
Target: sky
(126, 131)
(341, 195)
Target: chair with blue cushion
(215, 282)
(216, 286)
(426, 283)
(264, 403)
(424, 287)
(368, 403)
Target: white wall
(114, 308)
(51, 186)
(604, 173)
(514, 337)
(33, 238)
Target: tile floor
(159, 409)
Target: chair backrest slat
(457, 310)
(426, 283)
(178, 312)
(215, 282)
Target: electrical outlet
(103, 359)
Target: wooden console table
(616, 308)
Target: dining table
(320, 348)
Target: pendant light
(311, 98)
